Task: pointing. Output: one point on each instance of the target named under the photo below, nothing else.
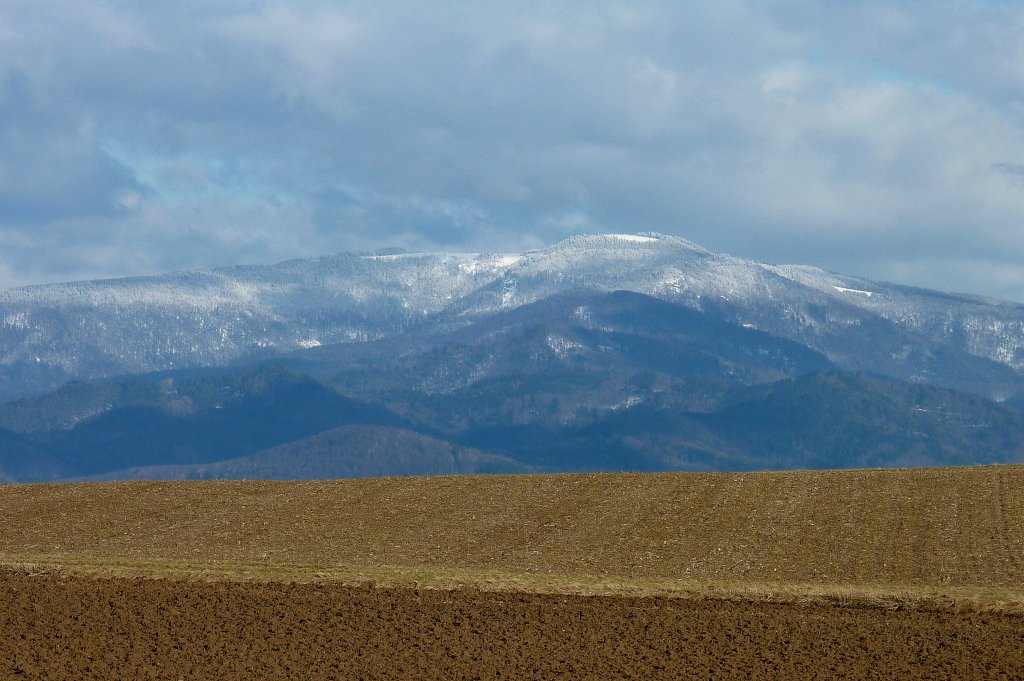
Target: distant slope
(74, 402)
(21, 459)
(203, 420)
(575, 408)
(831, 419)
(557, 360)
(1015, 401)
(345, 452)
(822, 420)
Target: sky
(873, 138)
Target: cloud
(50, 166)
(862, 136)
(1009, 168)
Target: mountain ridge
(50, 334)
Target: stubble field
(854, 573)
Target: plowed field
(85, 628)
(858, 573)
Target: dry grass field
(888, 566)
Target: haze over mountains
(612, 352)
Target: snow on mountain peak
(635, 238)
(89, 329)
(617, 242)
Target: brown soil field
(944, 528)
(837, 573)
(59, 627)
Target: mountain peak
(641, 240)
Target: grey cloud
(1009, 168)
(952, 45)
(855, 135)
(50, 167)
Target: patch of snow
(309, 343)
(16, 320)
(485, 264)
(634, 238)
(508, 291)
(562, 346)
(631, 401)
(507, 260)
(843, 289)
(405, 256)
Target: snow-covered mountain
(53, 333)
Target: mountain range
(605, 352)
